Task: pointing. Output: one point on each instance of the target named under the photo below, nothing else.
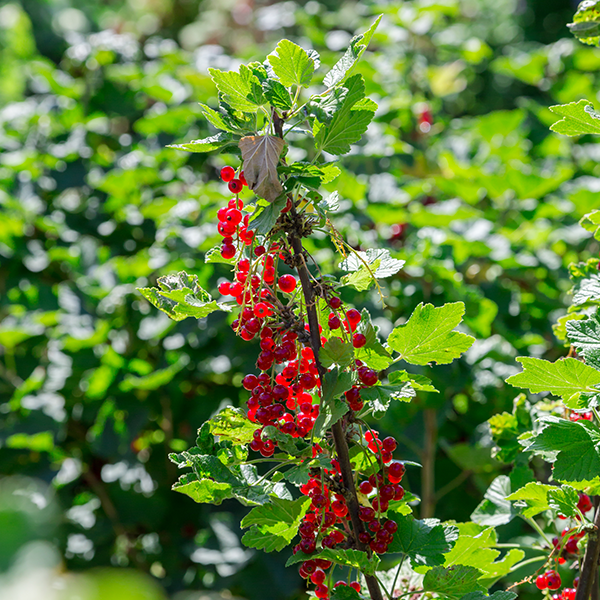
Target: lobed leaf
(453, 582)
(428, 337)
(241, 91)
(578, 118)
(292, 64)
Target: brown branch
(339, 437)
(589, 568)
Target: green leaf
(380, 396)
(242, 91)
(586, 282)
(499, 595)
(347, 125)
(428, 337)
(180, 296)
(292, 64)
(591, 222)
(212, 481)
(578, 118)
(474, 548)
(495, 509)
(453, 582)
(275, 524)
(336, 352)
(332, 408)
(355, 559)
(573, 447)
(585, 336)
(287, 443)
(345, 592)
(325, 172)
(331, 203)
(277, 95)
(567, 377)
(424, 542)
(418, 382)
(214, 142)
(372, 263)
(217, 119)
(265, 216)
(232, 424)
(507, 427)
(343, 68)
(373, 354)
(537, 498)
(586, 23)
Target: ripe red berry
(243, 178)
(227, 252)
(365, 488)
(541, 582)
(334, 322)
(322, 591)
(584, 504)
(367, 376)
(224, 288)
(287, 284)
(353, 316)
(250, 382)
(359, 340)
(389, 444)
(356, 586)
(227, 173)
(259, 250)
(235, 186)
(553, 579)
(335, 302)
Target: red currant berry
(224, 288)
(553, 579)
(335, 302)
(318, 577)
(287, 284)
(259, 250)
(334, 322)
(584, 504)
(250, 382)
(227, 173)
(541, 582)
(389, 444)
(227, 252)
(322, 591)
(243, 178)
(359, 340)
(356, 586)
(235, 186)
(365, 488)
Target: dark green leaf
(453, 582)
(277, 95)
(336, 352)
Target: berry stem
(339, 437)
(587, 575)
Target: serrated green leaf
(343, 68)
(203, 491)
(495, 509)
(298, 474)
(242, 91)
(292, 64)
(428, 337)
(507, 427)
(285, 442)
(586, 282)
(573, 447)
(578, 118)
(585, 336)
(425, 542)
(418, 382)
(499, 595)
(453, 582)
(567, 377)
(380, 396)
(325, 172)
(347, 125)
(474, 548)
(345, 592)
(586, 23)
(180, 296)
(232, 424)
(372, 354)
(209, 144)
(274, 524)
(277, 95)
(538, 497)
(332, 408)
(265, 216)
(591, 223)
(336, 352)
(365, 266)
(217, 119)
(346, 558)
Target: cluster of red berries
(550, 580)
(329, 509)
(584, 416)
(232, 225)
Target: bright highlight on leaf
(578, 118)
(428, 335)
(567, 377)
(180, 296)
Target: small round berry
(334, 322)
(584, 504)
(359, 340)
(365, 488)
(335, 302)
(243, 178)
(541, 582)
(353, 316)
(389, 444)
(235, 186)
(227, 173)
(250, 382)
(318, 577)
(259, 250)
(356, 586)
(225, 288)
(233, 216)
(322, 591)
(287, 284)
(227, 252)
(553, 579)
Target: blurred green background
(96, 387)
